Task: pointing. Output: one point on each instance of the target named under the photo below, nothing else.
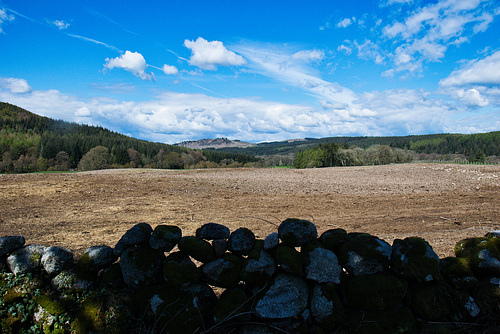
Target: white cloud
(170, 70)
(208, 55)
(15, 86)
(309, 55)
(133, 62)
(472, 98)
(4, 17)
(83, 112)
(173, 117)
(344, 23)
(60, 24)
(485, 71)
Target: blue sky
(258, 71)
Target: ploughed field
(441, 203)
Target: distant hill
(29, 142)
(469, 145)
(217, 143)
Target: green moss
(482, 254)
(54, 307)
(197, 248)
(85, 262)
(90, 317)
(414, 259)
(457, 272)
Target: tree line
(333, 154)
(30, 143)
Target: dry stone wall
(218, 281)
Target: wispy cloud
(87, 39)
(284, 65)
(344, 23)
(60, 24)
(108, 19)
(427, 32)
(5, 17)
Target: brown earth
(441, 203)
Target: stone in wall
(241, 241)
(165, 237)
(414, 259)
(9, 244)
(297, 232)
(142, 266)
(138, 234)
(364, 254)
(26, 260)
(96, 258)
(286, 298)
(56, 259)
(212, 231)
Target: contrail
(96, 42)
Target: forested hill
(469, 145)
(29, 142)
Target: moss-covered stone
(377, 292)
(431, 301)
(197, 248)
(179, 270)
(456, 271)
(91, 317)
(482, 254)
(141, 266)
(71, 281)
(95, 258)
(290, 260)
(52, 305)
(297, 232)
(414, 260)
(165, 237)
(22, 290)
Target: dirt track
(442, 203)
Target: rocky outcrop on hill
(291, 282)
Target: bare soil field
(441, 203)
